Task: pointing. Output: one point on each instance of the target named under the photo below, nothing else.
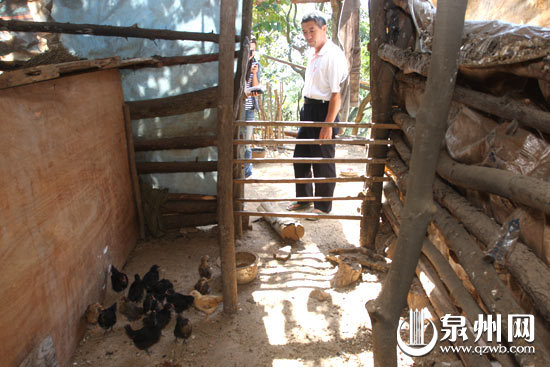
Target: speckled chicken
(205, 271)
(107, 317)
(183, 329)
(206, 304)
(129, 309)
(202, 286)
(119, 280)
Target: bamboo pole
(312, 160)
(225, 155)
(314, 141)
(311, 180)
(133, 170)
(173, 167)
(318, 124)
(309, 198)
(386, 309)
(106, 30)
(298, 215)
(184, 142)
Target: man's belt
(313, 101)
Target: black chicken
(205, 271)
(149, 303)
(151, 319)
(119, 280)
(135, 293)
(145, 337)
(182, 329)
(107, 317)
(164, 316)
(202, 286)
(151, 277)
(180, 301)
(159, 289)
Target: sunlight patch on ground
(351, 229)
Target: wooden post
(385, 310)
(133, 169)
(225, 155)
(381, 89)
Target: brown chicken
(206, 304)
(92, 313)
(129, 309)
(202, 286)
(205, 271)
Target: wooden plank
(173, 167)
(183, 196)
(67, 207)
(317, 124)
(187, 207)
(133, 171)
(225, 155)
(175, 105)
(184, 142)
(298, 215)
(314, 141)
(312, 180)
(107, 30)
(311, 198)
(179, 220)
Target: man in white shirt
(326, 70)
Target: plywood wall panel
(66, 207)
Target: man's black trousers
(315, 112)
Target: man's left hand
(326, 133)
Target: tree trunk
(385, 310)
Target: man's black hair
(316, 17)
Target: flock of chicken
(159, 299)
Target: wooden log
(531, 272)
(504, 107)
(381, 77)
(173, 167)
(160, 61)
(187, 207)
(460, 295)
(179, 220)
(183, 196)
(175, 105)
(415, 62)
(387, 126)
(533, 192)
(184, 142)
(496, 297)
(107, 30)
(285, 227)
(133, 171)
(443, 305)
(225, 155)
(310, 180)
(315, 141)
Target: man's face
(313, 34)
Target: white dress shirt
(325, 72)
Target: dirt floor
(278, 322)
